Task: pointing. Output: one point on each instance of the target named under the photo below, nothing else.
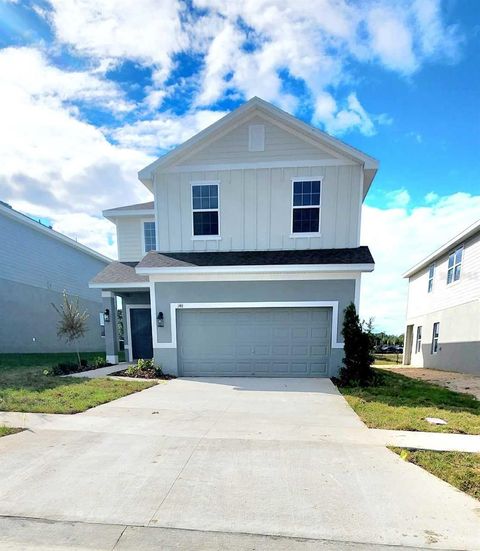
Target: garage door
(261, 342)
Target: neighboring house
(249, 254)
(36, 265)
(443, 313)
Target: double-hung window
(418, 342)
(306, 206)
(435, 334)
(205, 209)
(431, 275)
(455, 265)
(149, 238)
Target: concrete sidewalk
(439, 441)
(42, 535)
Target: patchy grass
(48, 360)
(5, 431)
(388, 359)
(401, 403)
(459, 469)
(24, 387)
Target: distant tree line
(382, 338)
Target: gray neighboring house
(246, 259)
(36, 265)
(443, 311)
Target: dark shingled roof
(119, 272)
(357, 255)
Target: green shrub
(64, 368)
(144, 369)
(358, 350)
(98, 362)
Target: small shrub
(83, 363)
(64, 368)
(358, 349)
(98, 362)
(144, 369)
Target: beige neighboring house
(443, 312)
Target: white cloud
(54, 164)
(398, 239)
(398, 198)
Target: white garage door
(261, 342)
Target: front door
(141, 332)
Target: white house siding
(130, 237)
(256, 208)
(456, 307)
(35, 269)
(280, 144)
(466, 289)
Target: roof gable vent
(256, 137)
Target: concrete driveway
(226, 457)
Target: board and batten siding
(256, 208)
(130, 237)
(279, 145)
(466, 289)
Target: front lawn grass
(49, 360)
(5, 431)
(460, 469)
(24, 387)
(401, 403)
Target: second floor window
(306, 206)
(205, 209)
(431, 274)
(418, 343)
(149, 237)
(455, 265)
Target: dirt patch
(459, 382)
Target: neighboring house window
(149, 237)
(418, 343)
(431, 274)
(435, 333)
(455, 265)
(205, 209)
(306, 206)
(102, 324)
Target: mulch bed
(149, 374)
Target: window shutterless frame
(205, 183)
(435, 335)
(418, 340)
(454, 266)
(317, 233)
(431, 276)
(144, 243)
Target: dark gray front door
(259, 342)
(141, 331)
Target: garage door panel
(278, 342)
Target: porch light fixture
(160, 321)
(106, 315)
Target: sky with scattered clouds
(93, 91)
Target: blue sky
(94, 95)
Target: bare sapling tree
(72, 324)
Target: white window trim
(432, 351)
(174, 306)
(143, 220)
(129, 346)
(431, 279)
(205, 237)
(297, 235)
(418, 341)
(455, 264)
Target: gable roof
(256, 104)
(457, 240)
(9, 212)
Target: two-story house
(443, 312)
(37, 264)
(246, 259)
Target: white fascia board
(146, 174)
(112, 213)
(24, 219)
(457, 240)
(132, 285)
(259, 269)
